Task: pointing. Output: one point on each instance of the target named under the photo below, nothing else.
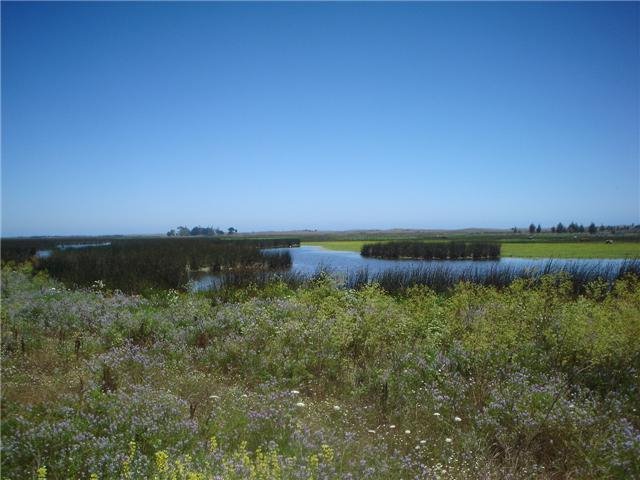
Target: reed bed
(432, 250)
(23, 249)
(441, 278)
(136, 265)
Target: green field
(530, 250)
(572, 250)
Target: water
(308, 260)
(47, 253)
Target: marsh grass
(440, 278)
(453, 250)
(137, 265)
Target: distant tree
(515, 230)
(202, 230)
(218, 231)
(231, 231)
(532, 228)
(560, 228)
(171, 233)
(581, 228)
(184, 231)
(553, 229)
(538, 229)
(592, 228)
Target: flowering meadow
(316, 381)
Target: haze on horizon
(138, 117)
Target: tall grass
(136, 265)
(440, 278)
(23, 249)
(432, 251)
(443, 278)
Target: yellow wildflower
(327, 453)
(314, 463)
(42, 473)
(213, 444)
(162, 461)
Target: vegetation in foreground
(527, 381)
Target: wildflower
(336, 408)
(314, 463)
(294, 392)
(42, 473)
(448, 440)
(300, 404)
(244, 395)
(417, 447)
(275, 464)
(327, 453)
(371, 431)
(180, 468)
(436, 414)
(214, 397)
(213, 443)
(407, 432)
(423, 442)
(457, 419)
(392, 426)
(162, 463)
(93, 476)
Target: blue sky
(135, 118)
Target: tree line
(183, 231)
(573, 227)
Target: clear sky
(138, 117)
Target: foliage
(430, 251)
(532, 380)
(134, 265)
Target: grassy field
(572, 250)
(529, 250)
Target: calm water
(309, 259)
(47, 253)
